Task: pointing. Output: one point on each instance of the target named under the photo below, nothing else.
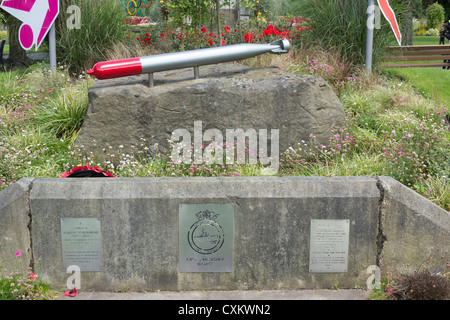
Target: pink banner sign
(37, 18)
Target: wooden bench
(418, 53)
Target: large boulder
(126, 112)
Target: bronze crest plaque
(206, 237)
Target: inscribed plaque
(329, 241)
(81, 241)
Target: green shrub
(421, 32)
(418, 9)
(435, 15)
(101, 27)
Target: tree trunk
(219, 32)
(17, 55)
(407, 26)
(238, 12)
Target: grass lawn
(433, 83)
(425, 40)
(42, 48)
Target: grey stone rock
(126, 112)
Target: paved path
(352, 294)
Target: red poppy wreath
(86, 171)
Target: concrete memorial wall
(217, 233)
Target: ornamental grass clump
(341, 26)
(39, 123)
(64, 115)
(100, 28)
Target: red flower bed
(292, 30)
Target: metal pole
(369, 38)
(52, 47)
(196, 73)
(185, 59)
(151, 80)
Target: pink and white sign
(389, 14)
(37, 17)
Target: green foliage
(101, 27)
(285, 7)
(2, 19)
(11, 88)
(435, 15)
(200, 11)
(16, 285)
(3, 35)
(436, 188)
(39, 117)
(63, 115)
(418, 9)
(425, 40)
(261, 10)
(203, 12)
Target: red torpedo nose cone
(116, 68)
